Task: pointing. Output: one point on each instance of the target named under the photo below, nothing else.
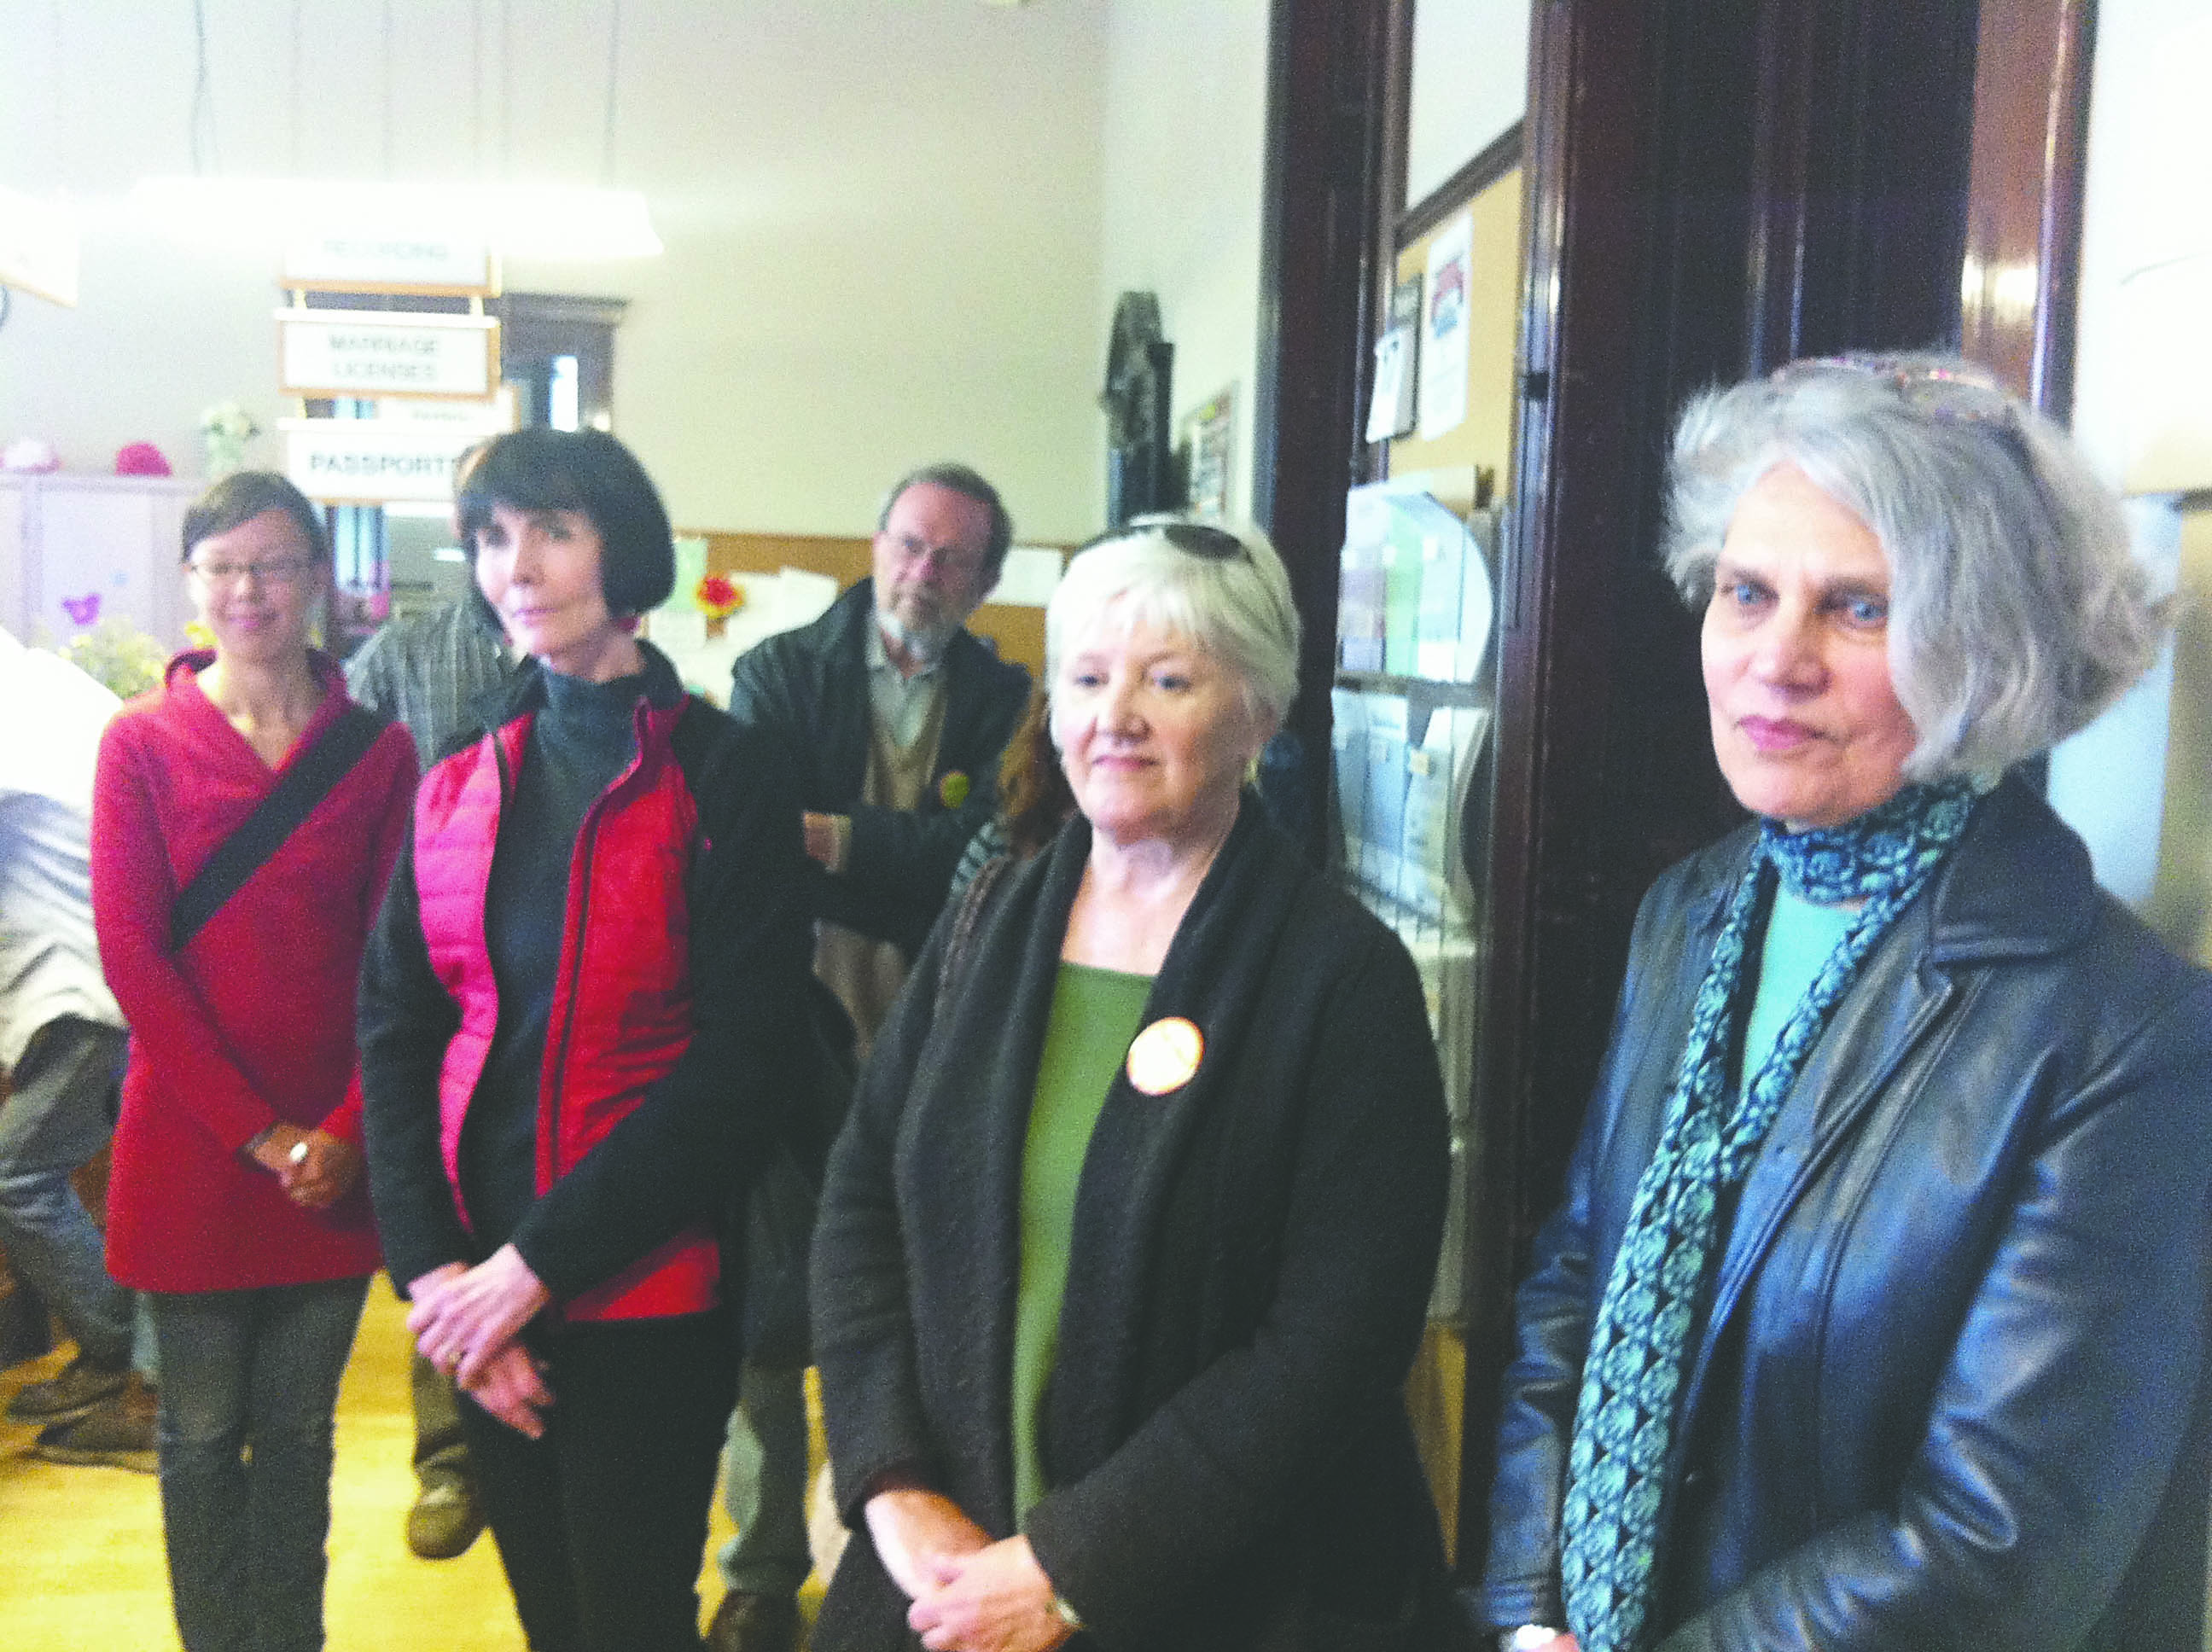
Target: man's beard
(922, 644)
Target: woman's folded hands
(467, 1320)
(969, 1594)
(995, 1599)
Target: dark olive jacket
(1946, 1393)
(808, 689)
(1223, 1430)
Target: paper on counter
(1029, 577)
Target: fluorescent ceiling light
(555, 221)
(38, 246)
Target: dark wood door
(1714, 186)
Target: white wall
(883, 222)
(2146, 201)
(1185, 140)
(1470, 83)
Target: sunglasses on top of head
(1195, 538)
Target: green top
(1095, 1015)
(1800, 935)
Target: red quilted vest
(622, 1004)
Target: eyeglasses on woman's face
(281, 572)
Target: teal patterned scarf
(1640, 1345)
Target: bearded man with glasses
(895, 716)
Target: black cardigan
(1248, 1284)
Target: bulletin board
(1018, 631)
(1485, 437)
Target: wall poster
(1206, 430)
(1443, 354)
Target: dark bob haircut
(590, 472)
(241, 496)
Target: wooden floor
(83, 1564)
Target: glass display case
(1410, 770)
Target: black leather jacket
(1947, 1394)
(809, 688)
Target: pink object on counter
(140, 458)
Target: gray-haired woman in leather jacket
(1875, 1313)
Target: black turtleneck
(579, 741)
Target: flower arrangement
(227, 428)
(718, 596)
(119, 655)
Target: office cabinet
(77, 549)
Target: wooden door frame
(1326, 70)
(1633, 294)
(2031, 80)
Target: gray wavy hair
(1236, 606)
(2017, 613)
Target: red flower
(718, 596)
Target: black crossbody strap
(310, 778)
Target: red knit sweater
(253, 1023)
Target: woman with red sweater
(235, 1202)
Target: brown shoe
(75, 1389)
(445, 1520)
(116, 1433)
(753, 1623)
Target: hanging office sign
(498, 412)
(377, 261)
(376, 461)
(376, 353)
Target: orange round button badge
(1165, 1055)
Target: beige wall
(883, 220)
(1185, 125)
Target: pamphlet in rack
(1413, 711)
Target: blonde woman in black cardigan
(1125, 1251)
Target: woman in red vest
(578, 1021)
(234, 1202)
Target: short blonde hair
(1236, 608)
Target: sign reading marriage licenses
(378, 352)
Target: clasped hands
(969, 1594)
(468, 1321)
(314, 1168)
